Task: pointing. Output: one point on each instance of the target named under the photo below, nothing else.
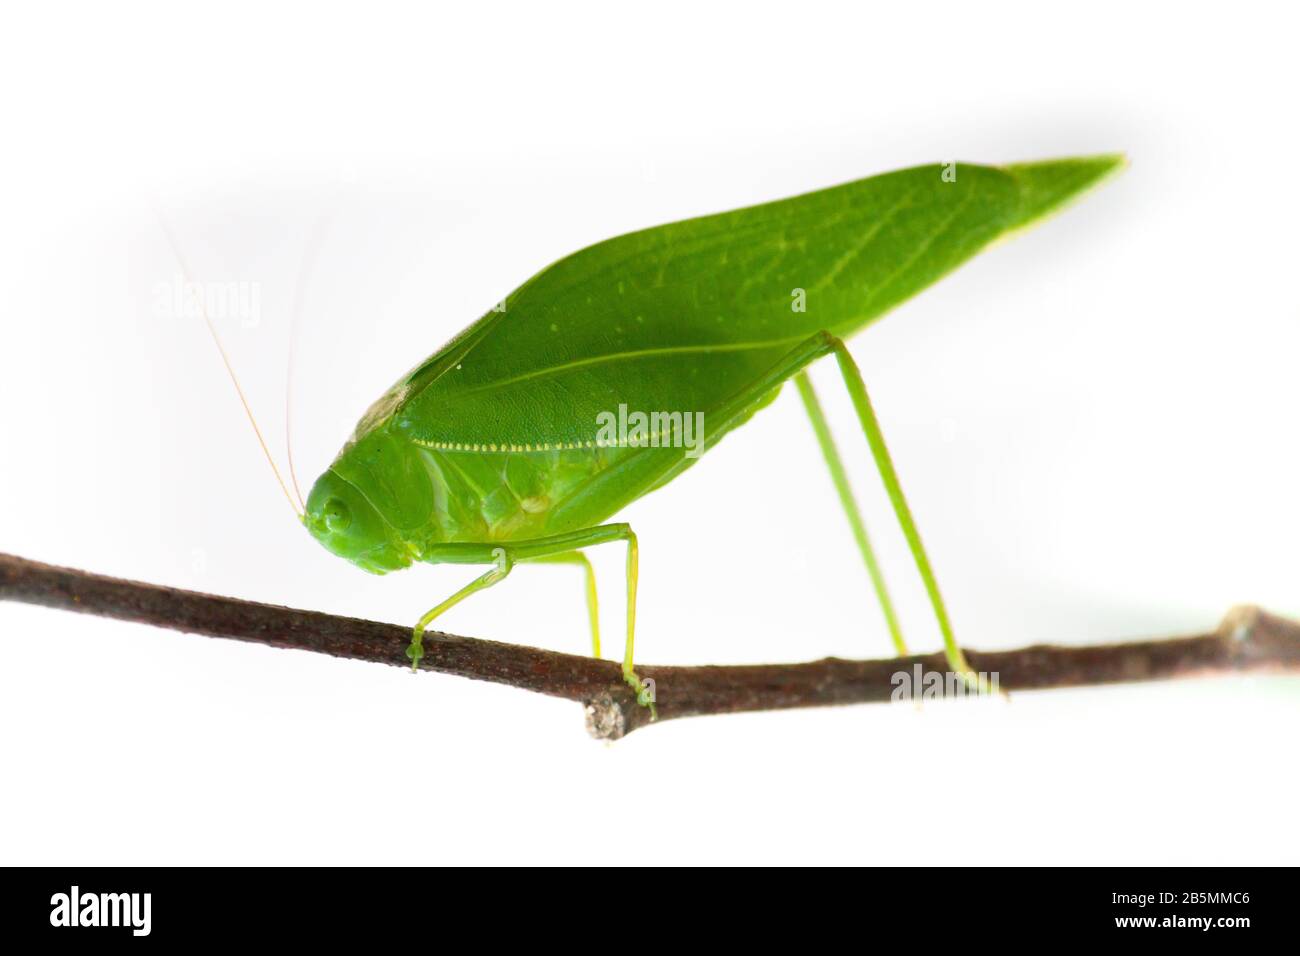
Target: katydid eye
(337, 516)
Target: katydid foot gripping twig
(1248, 640)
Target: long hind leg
(857, 389)
(795, 361)
(850, 505)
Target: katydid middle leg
(593, 602)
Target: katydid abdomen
(496, 448)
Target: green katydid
(490, 453)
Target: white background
(1095, 424)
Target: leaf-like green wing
(681, 317)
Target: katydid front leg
(506, 554)
(503, 565)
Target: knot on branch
(612, 717)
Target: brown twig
(1247, 640)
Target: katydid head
(374, 503)
(347, 524)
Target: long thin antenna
(225, 359)
(305, 270)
